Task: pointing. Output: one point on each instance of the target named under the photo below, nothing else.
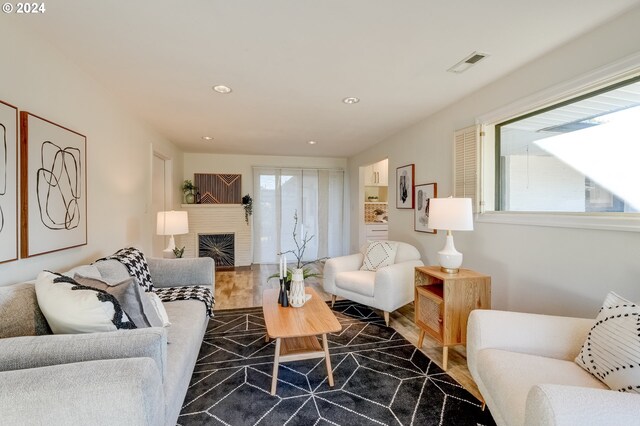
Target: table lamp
(450, 214)
(172, 223)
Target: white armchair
(386, 289)
(523, 366)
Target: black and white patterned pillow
(135, 262)
(378, 255)
(70, 307)
(612, 349)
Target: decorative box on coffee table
(443, 302)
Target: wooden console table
(443, 302)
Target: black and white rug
(380, 379)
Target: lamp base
(450, 258)
(170, 247)
(450, 270)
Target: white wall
(37, 78)
(536, 269)
(242, 164)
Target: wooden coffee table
(295, 330)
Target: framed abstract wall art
(424, 194)
(8, 182)
(404, 186)
(53, 186)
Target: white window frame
(602, 77)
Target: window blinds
(466, 164)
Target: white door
(158, 201)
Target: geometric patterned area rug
(380, 378)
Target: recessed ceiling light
(207, 138)
(222, 89)
(312, 142)
(351, 100)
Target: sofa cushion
(132, 298)
(378, 255)
(89, 271)
(72, 308)
(188, 324)
(112, 271)
(612, 349)
(359, 282)
(159, 308)
(508, 377)
(20, 314)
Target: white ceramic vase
(297, 296)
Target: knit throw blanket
(197, 292)
(136, 264)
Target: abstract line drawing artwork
(8, 182)
(53, 186)
(3, 171)
(58, 186)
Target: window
(315, 194)
(579, 156)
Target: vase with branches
(300, 239)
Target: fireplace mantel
(218, 219)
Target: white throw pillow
(159, 307)
(378, 255)
(73, 308)
(612, 349)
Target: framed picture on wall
(53, 186)
(8, 182)
(424, 194)
(404, 186)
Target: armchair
(523, 366)
(386, 289)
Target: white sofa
(523, 366)
(386, 289)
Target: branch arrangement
(301, 245)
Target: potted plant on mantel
(247, 204)
(188, 188)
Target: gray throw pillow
(20, 314)
(111, 271)
(131, 297)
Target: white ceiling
(291, 62)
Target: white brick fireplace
(218, 219)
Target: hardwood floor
(243, 287)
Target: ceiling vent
(468, 62)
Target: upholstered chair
(388, 288)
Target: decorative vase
(297, 295)
(190, 198)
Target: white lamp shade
(172, 223)
(451, 214)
